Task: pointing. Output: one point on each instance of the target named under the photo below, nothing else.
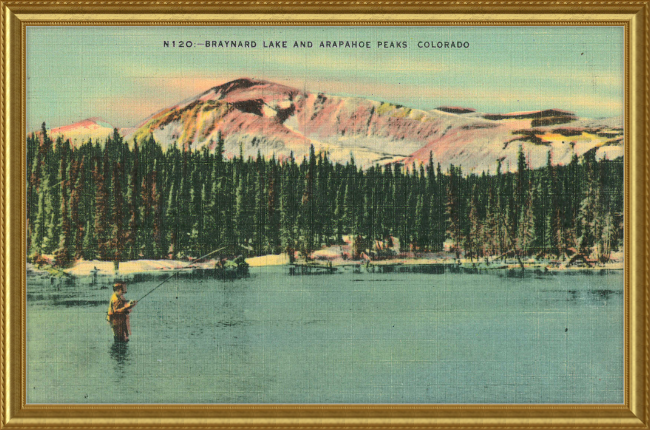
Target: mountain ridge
(255, 115)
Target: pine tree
(159, 243)
(213, 220)
(526, 225)
(52, 197)
(185, 222)
(427, 187)
(326, 197)
(349, 219)
(39, 232)
(587, 219)
(195, 223)
(339, 212)
(221, 207)
(555, 213)
(228, 213)
(439, 207)
(573, 184)
(472, 240)
(607, 238)
(308, 203)
(421, 222)
(453, 210)
(241, 215)
(288, 207)
(118, 233)
(102, 208)
(411, 213)
(520, 189)
(171, 221)
(489, 236)
(87, 186)
(76, 183)
(33, 183)
(273, 211)
(51, 239)
(45, 172)
(89, 242)
(63, 254)
(134, 198)
(400, 204)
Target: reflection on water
(344, 338)
(119, 352)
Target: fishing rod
(177, 271)
(57, 184)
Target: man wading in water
(118, 313)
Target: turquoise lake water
(342, 338)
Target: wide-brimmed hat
(118, 285)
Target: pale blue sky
(124, 74)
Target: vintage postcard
(325, 214)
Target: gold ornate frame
(16, 15)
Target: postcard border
(14, 411)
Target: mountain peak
(90, 128)
(237, 84)
(247, 88)
(88, 123)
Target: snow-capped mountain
(273, 119)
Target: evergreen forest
(117, 201)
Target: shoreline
(103, 269)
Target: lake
(341, 338)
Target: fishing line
(177, 271)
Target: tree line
(114, 201)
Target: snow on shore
(87, 268)
(106, 268)
(268, 260)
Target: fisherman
(118, 313)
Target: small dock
(311, 269)
(428, 268)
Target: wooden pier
(311, 269)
